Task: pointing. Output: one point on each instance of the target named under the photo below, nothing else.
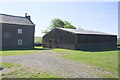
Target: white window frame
(19, 41)
(19, 31)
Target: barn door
(52, 43)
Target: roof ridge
(12, 15)
(15, 19)
(84, 31)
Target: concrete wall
(10, 36)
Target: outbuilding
(79, 39)
(17, 31)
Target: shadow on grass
(25, 49)
(91, 50)
(100, 50)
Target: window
(19, 41)
(19, 31)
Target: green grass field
(38, 40)
(26, 72)
(16, 52)
(104, 60)
(107, 60)
(9, 65)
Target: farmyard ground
(60, 63)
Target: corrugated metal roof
(76, 31)
(10, 19)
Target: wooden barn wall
(95, 41)
(63, 39)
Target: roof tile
(4, 18)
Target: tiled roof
(10, 19)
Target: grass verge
(21, 51)
(9, 65)
(26, 72)
(104, 60)
(18, 52)
(107, 60)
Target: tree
(45, 31)
(60, 24)
(57, 23)
(69, 25)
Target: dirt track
(51, 62)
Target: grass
(66, 51)
(26, 72)
(16, 52)
(38, 40)
(104, 60)
(9, 65)
(108, 60)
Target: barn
(17, 31)
(78, 39)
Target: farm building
(118, 41)
(78, 39)
(17, 31)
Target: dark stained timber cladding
(62, 39)
(69, 40)
(82, 38)
(96, 41)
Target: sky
(95, 16)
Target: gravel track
(51, 62)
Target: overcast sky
(96, 16)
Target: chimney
(27, 16)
